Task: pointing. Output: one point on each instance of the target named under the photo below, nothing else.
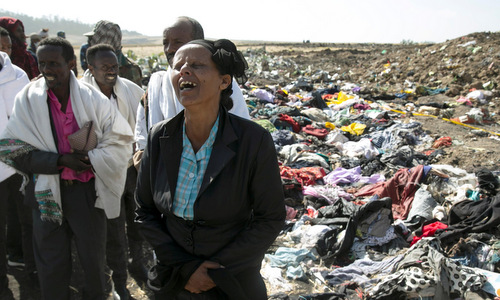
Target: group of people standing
(180, 165)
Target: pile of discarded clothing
(370, 215)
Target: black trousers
(84, 223)
(247, 285)
(22, 234)
(135, 238)
(121, 228)
(116, 248)
(14, 241)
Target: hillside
(74, 29)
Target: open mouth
(187, 85)
(50, 78)
(111, 77)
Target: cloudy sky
(335, 21)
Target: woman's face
(196, 80)
(19, 33)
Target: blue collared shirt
(191, 171)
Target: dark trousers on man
(11, 195)
(5, 194)
(19, 239)
(14, 241)
(134, 237)
(118, 230)
(84, 223)
(116, 249)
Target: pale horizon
(321, 21)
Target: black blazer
(240, 207)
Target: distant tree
(55, 23)
(407, 42)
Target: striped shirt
(191, 171)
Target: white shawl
(12, 80)
(128, 96)
(163, 103)
(30, 122)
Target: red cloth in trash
(330, 96)
(445, 141)
(290, 120)
(429, 230)
(400, 188)
(320, 133)
(311, 212)
(305, 176)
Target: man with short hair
(162, 103)
(102, 74)
(74, 190)
(106, 32)
(12, 80)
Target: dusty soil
(382, 71)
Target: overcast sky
(385, 21)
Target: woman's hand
(199, 280)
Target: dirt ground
(382, 71)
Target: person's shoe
(15, 262)
(120, 292)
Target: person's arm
(37, 162)
(268, 212)
(155, 97)
(44, 162)
(141, 130)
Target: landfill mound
(384, 69)
(455, 81)
(390, 166)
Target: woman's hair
(228, 61)
(11, 24)
(197, 30)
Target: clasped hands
(200, 281)
(76, 160)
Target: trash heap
(387, 70)
(373, 209)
